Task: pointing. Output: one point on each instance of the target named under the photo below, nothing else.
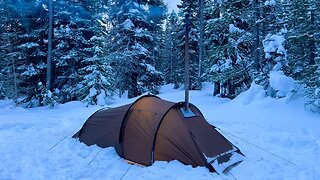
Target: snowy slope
(278, 126)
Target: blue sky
(172, 4)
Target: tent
(152, 129)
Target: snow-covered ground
(279, 126)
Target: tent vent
(187, 113)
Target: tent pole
(187, 63)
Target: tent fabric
(140, 129)
(175, 142)
(101, 127)
(152, 129)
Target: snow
(317, 91)
(93, 92)
(128, 24)
(233, 29)
(29, 139)
(172, 5)
(281, 83)
(255, 93)
(140, 48)
(29, 45)
(101, 98)
(151, 68)
(235, 158)
(274, 44)
(134, 11)
(270, 3)
(29, 71)
(45, 7)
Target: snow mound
(168, 88)
(255, 92)
(281, 83)
(208, 86)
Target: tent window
(187, 113)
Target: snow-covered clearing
(281, 127)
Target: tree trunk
(133, 87)
(199, 86)
(49, 57)
(256, 36)
(217, 85)
(15, 82)
(312, 41)
(216, 88)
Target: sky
(172, 4)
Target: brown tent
(152, 129)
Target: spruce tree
(10, 29)
(2, 91)
(229, 47)
(29, 51)
(300, 42)
(97, 79)
(302, 47)
(77, 38)
(157, 15)
(97, 75)
(42, 97)
(312, 78)
(171, 63)
(189, 8)
(68, 42)
(273, 34)
(131, 44)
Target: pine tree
(229, 55)
(97, 75)
(98, 83)
(273, 34)
(302, 47)
(75, 26)
(131, 44)
(312, 79)
(189, 8)
(171, 62)
(26, 53)
(2, 91)
(9, 30)
(156, 16)
(300, 40)
(67, 44)
(150, 79)
(42, 97)
(25, 48)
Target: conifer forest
(57, 51)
